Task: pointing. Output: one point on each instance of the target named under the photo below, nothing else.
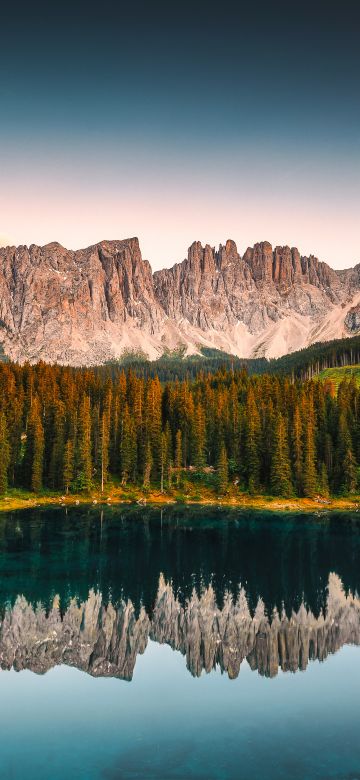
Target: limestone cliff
(76, 307)
(87, 306)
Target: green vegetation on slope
(304, 364)
(338, 375)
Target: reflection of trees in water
(104, 640)
(283, 559)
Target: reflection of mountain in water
(104, 640)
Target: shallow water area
(179, 643)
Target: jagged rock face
(87, 306)
(70, 306)
(352, 319)
(105, 640)
(219, 289)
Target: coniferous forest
(70, 429)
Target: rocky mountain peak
(90, 305)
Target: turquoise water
(182, 644)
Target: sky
(178, 122)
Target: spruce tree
(199, 436)
(309, 469)
(147, 465)
(4, 454)
(84, 457)
(297, 450)
(280, 462)
(36, 432)
(165, 457)
(68, 467)
(349, 472)
(178, 456)
(222, 471)
(346, 476)
(252, 440)
(128, 447)
(56, 436)
(104, 448)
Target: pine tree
(252, 443)
(104, 448)
(280, 463)
(147, 466)
(346, 476)
(35, 446)
(349, 472)
(127, 447)
(4, 454)
(199, 436)
(234, 427)
(222, 471)
(84, 457)
(165, 457)
(297, 450)
(68, 467)
(56, 436)
(309, 469)
(153, 422)
(178, 456)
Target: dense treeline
(68, 429)
(310, 361)
(304, 364)
(175, 365)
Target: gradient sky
(177, 121)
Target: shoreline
(17, 499)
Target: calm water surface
(189, 643)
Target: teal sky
(176, 123)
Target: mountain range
(91, 305)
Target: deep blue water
(182, 644)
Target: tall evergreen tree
(350, 472)
(222, 471)
(147, 465)
(68, 465)
(297, 450)
(4, 454)
(199, 436)
(309, 469)
(252, 440)
(56, 435)
(34, 456)
(280, 461)
(178, 456)
(104, 448)
(128, 447)
(84, 455)
(165, 458)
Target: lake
(179, 643)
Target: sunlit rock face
(91, 305)
(105, 639)
(76, 307)
(352, 320)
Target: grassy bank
(21, 499)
